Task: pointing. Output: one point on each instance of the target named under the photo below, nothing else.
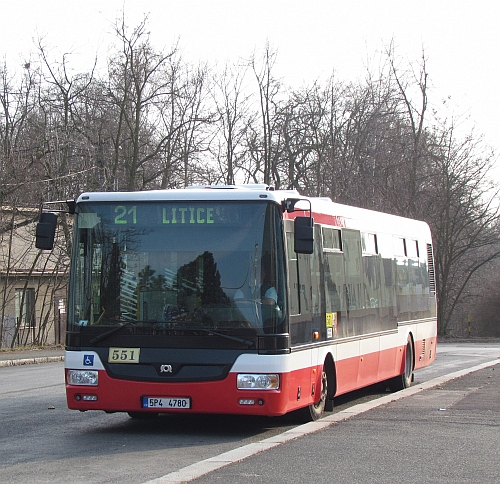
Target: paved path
(30, 357)
(447, 432)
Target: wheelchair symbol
(88, 360)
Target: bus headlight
(251, 381)
(82, 377)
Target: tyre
(404, 380)
(315, 410)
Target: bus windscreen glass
(160, 266)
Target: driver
(266, 290)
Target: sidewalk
(446, 433)
(30, 357)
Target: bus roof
(198, 193)
(324, 210)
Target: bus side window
(334, 281)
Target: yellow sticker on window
(329, 320)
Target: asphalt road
(42, 441)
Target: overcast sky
(461, 38)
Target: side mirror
(304, 235)
(46, 231)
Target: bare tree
(480, 315)
(301, 121)
(195, 135)
(69, 161)
(232, 114)
(415, 117)
(155, 121)
(463, 215)
(18, 102)
(264, 146)
(136, 83)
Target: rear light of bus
(82, 377)
(253, 381)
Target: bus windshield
(178, 266)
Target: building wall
(40, 274)
(46, 322)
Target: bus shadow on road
(233, 426)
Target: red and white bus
(240, 300)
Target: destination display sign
(169, 215)
(175, 214)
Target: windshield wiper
(227, 336)
(102, 336)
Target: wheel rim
(324, 391)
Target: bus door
(301, 317)
(299, 291)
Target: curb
(31, 361)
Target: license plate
(124, 355)
(166, 403)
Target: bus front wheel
(404, 380)
(315, 410)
